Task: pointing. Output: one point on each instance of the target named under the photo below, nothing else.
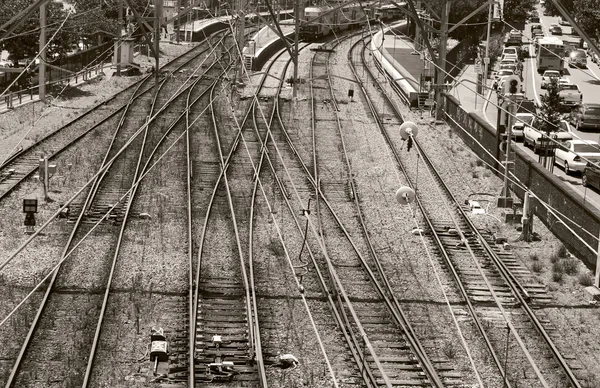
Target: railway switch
(159, 348)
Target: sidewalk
(464, 90)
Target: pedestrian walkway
(464, 90)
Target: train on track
(321, 21)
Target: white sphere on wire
(405, 195)
(407, 129)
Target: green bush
(562, 251)
(554, 258)
(537, 267)
(570, 266)
(585, 279)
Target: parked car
(570, 94)
(533, 136)
(535, 27)
(555, 30)
(537, 33)
(512, 50)
(578, 58)
(521, 120)
(503, 73)
(586, 116)
(547, 77)
(510, 66)
(572, 154)
(591, 173)
(563, 22)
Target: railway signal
(29, 208)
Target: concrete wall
(545, 186)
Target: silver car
(572, 154)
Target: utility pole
(158, 9)
(119, 34)
(42, 50)
(240, 37)
(486, 59)
(296, 54)
(441, 69)
(177, 21)
(417, 29)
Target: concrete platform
(407, 61)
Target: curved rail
(50, 287)
(517, 289)
(30, 151)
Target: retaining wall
(578, 236)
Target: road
(587, 80)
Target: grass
(449, 350)
(562, 251)
(537, 267)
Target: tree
(551, 108)
(25, 42)
(587, 14)
(516, 11)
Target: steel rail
(343, 324)
(140, 172)
(225, 164)
(415, 343)
(32, 148)
(438, 241)
(516, 287)
(49, 289)
(360, 358)
(380, 290)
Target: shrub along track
(73, 298)
(503, 299)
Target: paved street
(587, 80)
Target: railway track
(136, 158)
(500, 295)
(103, 117)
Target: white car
(521, 121)
(572, 154)
(563, 22)
(547, 76)
(475, 207)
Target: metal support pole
(486, 59)
(42, 50)
(119, 34)
(441, 69)
(296, 54)
(597, 277)
(417, 29)
(158, 9)
(510, 107)
(240, 37)
(177, 21)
